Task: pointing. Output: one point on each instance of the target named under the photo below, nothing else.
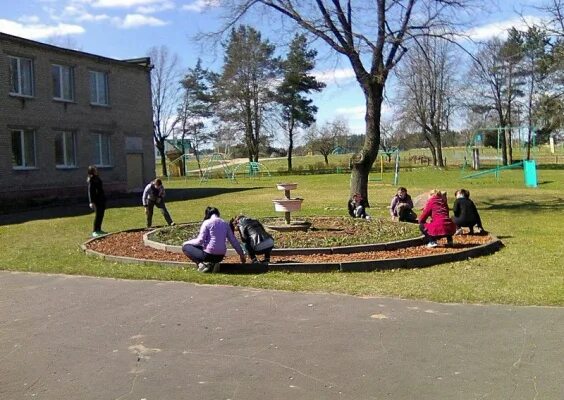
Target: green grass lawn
(530, 222)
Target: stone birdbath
(287, 205)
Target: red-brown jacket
(441, 224)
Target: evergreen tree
(244, 88)
(297, 110)
(196, 108)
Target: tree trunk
(439, 155)
(362, 162)
(509, 139)
(160, 148)
(290, 144)
(432, 148)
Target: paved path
(64, 337)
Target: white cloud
(500, 28)
(137, 20)
(151, 9)
(39, 31)
(79, 13)
(126, 3)
(334, 75)
(200, 5)
(29, 19)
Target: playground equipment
(392, 152)
(217, 162)
(475, 145)
(253, 169)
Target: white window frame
(68, 139)
(25, 163)
(61, 82)
(19, 70)
(99, 160)
(98, 80)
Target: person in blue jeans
(208, 249)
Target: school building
(62, 110)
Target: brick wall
(129, 114)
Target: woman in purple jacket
(209, 248)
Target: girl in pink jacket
(441, 225)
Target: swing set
(475, 145)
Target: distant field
(454, 156)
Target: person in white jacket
(154, 195)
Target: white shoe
(432, 245)
(458, 232)
(204, 267)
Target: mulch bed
(130, 244)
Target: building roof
(144, 62)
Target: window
(102, 150)
(65, 149)
(21, 76)
(99, 88)
(63, 82)
(23, 148)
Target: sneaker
(204, 267)
(95, 234)
(172, 224)
(102, 233)
(458, 232)
(432, 244)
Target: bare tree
(427, 83)
(495, 83)
(165, 88)
(373, 36)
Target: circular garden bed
(334, 243)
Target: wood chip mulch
(130, 244)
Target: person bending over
(256, 239)
(154, 195)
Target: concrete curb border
(398, 244)
(353, 266)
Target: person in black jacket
(96, 199)
(255, 238)
(465, 212)
(357, 206)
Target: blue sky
(128, 28)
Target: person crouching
(209, 248)
(255, 238)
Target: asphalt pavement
(69, 337)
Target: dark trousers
(198, 255)
(431, 238)
(460, 223)
(161, 206)
(99, 217)
(406, 215)
(253, 254)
